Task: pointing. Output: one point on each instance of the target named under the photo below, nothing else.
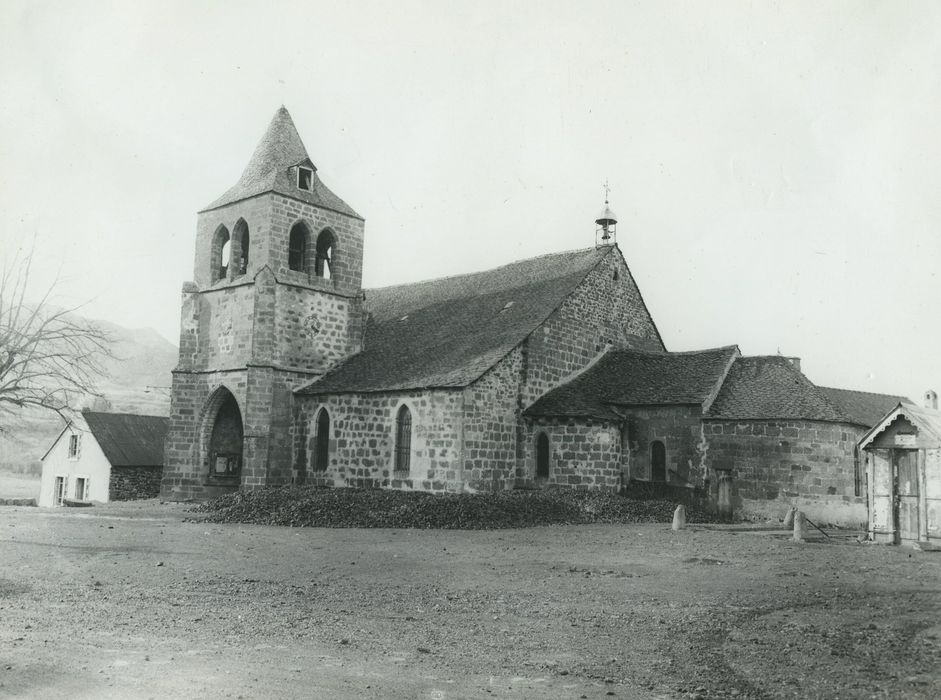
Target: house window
(323, 266)
(403, 439)
(81, 488)
(542, 456)
(322, 454)
(75, 444)
(58, 492)
(658, 461)
(305, 179)
(297, 248)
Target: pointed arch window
(542, 456)
(297, 247)
(322, 451)
(403, 439)
(326, 242)
(219, 255)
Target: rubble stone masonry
(583, 455)
(362, 440)
(602, 311)
(133, 483)
(777, 464)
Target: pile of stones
(327, 507)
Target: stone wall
(679, 428)
(269, 218)
(265, 398)
(186, 447)
(583, 455)
(602, 311)
(362, 441)
(491, 420)
(314, 331)
(133, 483)
(776, 464)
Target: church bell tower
(275, 302)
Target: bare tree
(50, 358)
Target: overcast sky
(774, 166)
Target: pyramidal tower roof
(269, 170)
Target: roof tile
(635, 378)
(269, 170)
(448, 332)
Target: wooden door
(905, 476)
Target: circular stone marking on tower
(312, 325)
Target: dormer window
(305, 178)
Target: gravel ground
(130, 601)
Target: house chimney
(795, 363)
(931, 399)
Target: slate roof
(770, 387)
(862, 407)
(129, 440)
(637, 378)
(448, 332)
(269, 170)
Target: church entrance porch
(224, 448)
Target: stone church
(547, 371)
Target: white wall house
(104, 457)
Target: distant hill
(137, 380)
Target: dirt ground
(129, 601)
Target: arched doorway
(658, 461)
(225, 438)
(542, 456)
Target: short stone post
(789, 518)
(679, 517)
(800, 526)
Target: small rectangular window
(305, 178)
(74, 445)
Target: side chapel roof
(638, 378)
(766, 387)
(772, 387)
(447, 332)
(129, 440)
(279, 150)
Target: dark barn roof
(268, 170)
(863, 407)
(448, 332)
(129, 440)
(769, 387)
(638, 378)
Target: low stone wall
(133, 483)
(17, 501)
